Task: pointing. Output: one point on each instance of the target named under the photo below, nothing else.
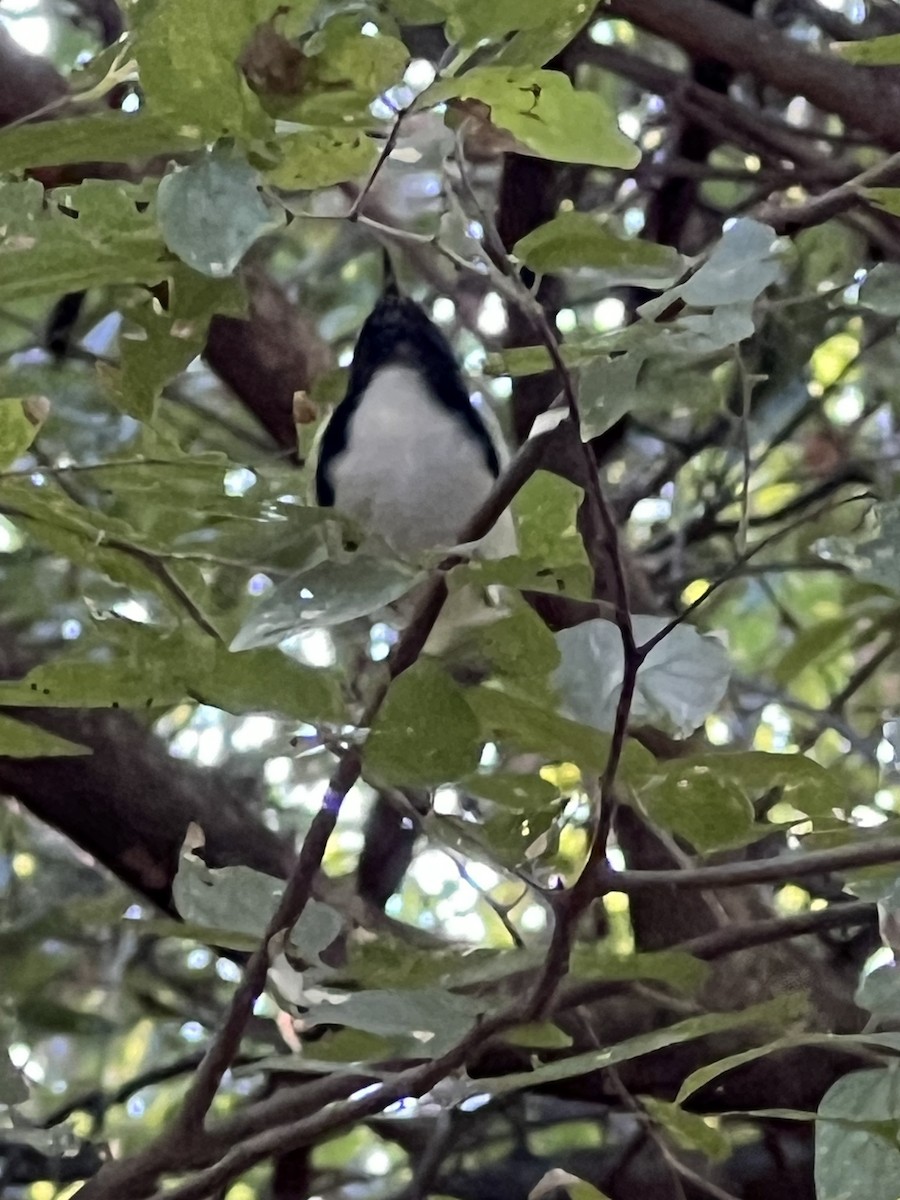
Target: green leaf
(879, 993)
(532, 360)
(673, 967)
(472, 21)
(344, 71)
(802, 782)
(811, 644)
(855, 1161)
(874, 558)
(212, 212)
(13, 1088)
(871, 52)
(681, 681)
(741, 266)
(20, 421)
(327, 594)
(557, 1179)
(546, 512)
(435, 1018)
(770, 1013)
(608, 391)
(880, 290)
(155, 346)
(688, 1130)
(543, 1035)
(709, 813)
(543, 111)
(187, 52)
(21, 740)
(268, 681)
(536, 46)
(538, 728)
(425, 732)
(574, 240)
(100, 137)
(72, 684)
(520, 793)
(46, 251)
(885, 198)
(833, 1041)
(237, 903)
(318, 158)
(517, 647)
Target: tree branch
(865, 98)
(781, 869)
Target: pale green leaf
(675, 968)
(538, 728)
(73, 684)
(880, 290)
(879, 993)
(344, 71)
(833, 1041)
(741, 266)
(546, 512)
(155, 346)
(212, 212)
(435, 1018)
(680, 682)
(329, 593)
(237, 903)
(695, 805)
(852, 1160)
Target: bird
(405, 453)
(408, 457)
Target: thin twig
(780, 869)
(386, 150)
(788, 218)
(727, 576)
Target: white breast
(411, 471)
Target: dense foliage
(600, 902)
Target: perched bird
(405, 453)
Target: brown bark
(866, 98)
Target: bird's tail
(389, 285)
